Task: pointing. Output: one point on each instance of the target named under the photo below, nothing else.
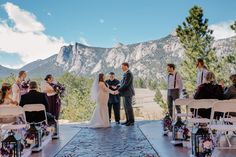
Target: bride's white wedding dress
(100, 95)
(100, 118)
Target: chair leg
(227, 138)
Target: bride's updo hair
(101, 77)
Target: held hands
(114, 87)
(115, 92)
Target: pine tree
(159, 100)
(233, 26)
(196, 39)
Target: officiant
(114, 100)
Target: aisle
(117, 141)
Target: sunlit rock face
(147, 59)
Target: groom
(126, 90)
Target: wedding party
(117, 78)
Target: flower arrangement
(208, 146)
(29, 139)
(25, 84)
(167, 123)
(59, 89)
(186, 133)
(45, 130)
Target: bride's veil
(94, 90)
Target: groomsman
(201, 71)
(114, 100)
(175, 87)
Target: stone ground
(116, 141)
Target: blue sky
(46, 25)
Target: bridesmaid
(17, 89)
(53, 98)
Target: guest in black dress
(114, 100)
(208, 90)
(53, 97)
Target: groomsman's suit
(175, 86)
(126, 90)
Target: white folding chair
(223, 125)
(182, 103)
(12, 111)
(200, 104)
(36, 108)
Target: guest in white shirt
(17, 90)
(201, 72)
(175, 86)
(53, 98)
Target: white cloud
(13, 66)
(222, 30)
(24, 21)
(101, 21)
(26, 36)
(84, 41)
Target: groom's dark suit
(127, 91)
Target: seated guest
(5, 94)
(35, 97)
(230, 92)
(208, 90)
(5, 99)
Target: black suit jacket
(34, 97)
(208, 91)
(127, 87)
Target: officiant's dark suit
(114, 100)
(126, 90)
(35, 97)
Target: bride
(100, 95)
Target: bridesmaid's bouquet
(59, 89)
(25, 84)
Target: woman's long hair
(5, 87)
(101, 77)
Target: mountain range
(147, 59)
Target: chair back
(182, 101)
(202, 103)
(7, 111)
(10, 110)
(224, 106)
(36, 108)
